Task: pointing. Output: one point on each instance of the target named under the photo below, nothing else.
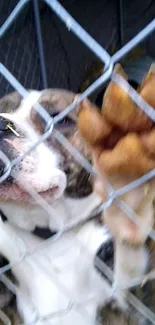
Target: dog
(57, 282)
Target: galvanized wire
(113, 195)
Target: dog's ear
(53, 100)
(10, 102)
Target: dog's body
(58, 283)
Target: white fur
(63, 212)
(57, 275)
(27, 103)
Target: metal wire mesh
(20, 54)
(113, 195)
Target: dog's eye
(7, 126)
(65, 120)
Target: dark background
(66, 57)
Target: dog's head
(45, 169)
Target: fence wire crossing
(113, 195)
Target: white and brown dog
(57, 283)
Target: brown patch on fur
(107, 316)
(78, 184)
(78, 177)
(10, 102)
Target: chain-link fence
(113, 195)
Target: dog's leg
(88, 281)
(26, 309)
(130, 263)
